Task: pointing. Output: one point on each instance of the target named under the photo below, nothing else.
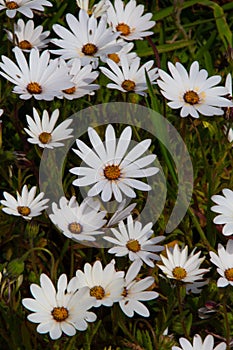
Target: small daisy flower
(224, 208)
(207, 344)
(43, 132)
(41, 78)
(86, 39)
(124, 51)
(26, 36)
(129, 20)
(181, 267)
(26, 205)
(104, 284)
(78, 222)
(121, 213)
(134, 240)
(98, 10)
(130, 77)
(224, 262)
(135, 292)
(109, 168)
(25, 7)
(60, 311)
(194, 93)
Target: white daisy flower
(82, 78)
(59, 311)
(87, 39)
(198, 344)
(135, 292)
(134, 240)
(181, 267)
(98, 10)
(130, 77)
(121, 213)
(106, 285)
(129, 20)
(108, 166)
(26, 205)
(224, 208)
(25, 7)
(26, 36)
(41, 78)
(224, 262)
(43, 131)
(124, 51)
(194, 93)
(78, 222)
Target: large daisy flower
(87, 39)
(43, 131)
(224, 262)
(59, 311)
(42, 78)
(26, 36)
(134, 240)
(109, 168)
(198, 344)
(129, 20)
(104, 284)
(135, 292)
(182, 267)
(130, 77)
(194, 93)
(224, 208)
(26, 205)
(25, 7)
(78, 222)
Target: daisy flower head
(61, 311)
(104, 284)
(135, 241)
(25, 7)
(42, 131)
(26, 205)
(27, 36)
(224, 208)
(129, 20)
(135, 291)
(198, 344)
(194, 93)
(86, 39)
(41, 78)
(109, 168)
(130, 77)
(224, 262)
(182, 267)
(78, 222)
(124, 51)
(97, 10)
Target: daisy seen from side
(124, 51)
(109, 168)
(27, 204)
(97, 10)
(199, 344)
(61, 311)
(224, 207)
(193, 92)
(25, 7)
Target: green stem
(180, 307)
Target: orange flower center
(45, 137)
(179, 273)
(25, 45)
(70, 91)
(114, 57)
(75, 227)
(12, 5)
(112, 172)
(133, 245)
(128, 85)
(191, 97)
(34, 88)
(25, 211)
(60, 314)
(89, 49)
(229, 274)
(123, 28)
(97, 292)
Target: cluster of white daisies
(103, 35)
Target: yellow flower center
(45, 137)
(97, 292)
(128, 85)
(112, 172)
(34, 88)
(123, 28)
(25, 211)
(25, 45)
(70, 91)
(12, 5)
(89, 49)
(75, 227)
(60, 314)
(179, 273)
(191, 97)
(133, 245)
(229, 274)
(114, 57)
